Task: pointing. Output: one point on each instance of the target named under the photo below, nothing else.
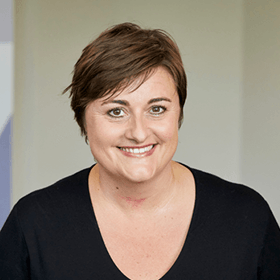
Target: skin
(147, 116)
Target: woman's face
(134, 135)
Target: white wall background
(215, 38)
(261, 100)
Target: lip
(139, 155)
(136, 147)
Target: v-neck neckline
(180, 258)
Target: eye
(157, 110)
(116, 113)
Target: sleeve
(14, 260)
(269, 261)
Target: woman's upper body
(128, 92)
(54, 233)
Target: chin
(139, 175)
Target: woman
(137, 214)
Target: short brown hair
(119, 56)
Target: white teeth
(136, 150)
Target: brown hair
(119, 56)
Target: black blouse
(52, 234)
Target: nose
(137, 130)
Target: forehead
(158, 83)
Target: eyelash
(114, 109)
(162, 108)
(159, 107)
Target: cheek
(102, 133)
(167, 130)
(96, 132)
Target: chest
(145, 249)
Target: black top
(53, 234)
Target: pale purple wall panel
(6, 20)
(6, 38)
(5, 171)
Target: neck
(133, 196)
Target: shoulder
(62, 187)
(216, 187)
(50, 200)
(235, 222)
(228, 211)
(232, 202)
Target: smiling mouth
(137, 151)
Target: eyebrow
(126, 103)
(158, 100)
(122, 102)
